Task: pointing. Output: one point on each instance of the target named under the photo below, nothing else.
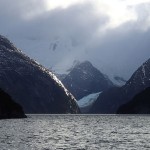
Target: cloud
(113, 35)
(13, 13)
(121, 51)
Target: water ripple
(75, 132)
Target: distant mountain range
(31, 85)
(84, 79)
(109, 101)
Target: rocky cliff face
(85, 79)
(35, 88)
(109, 101)
(139, 80)
(8, 108)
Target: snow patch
(143, 70)
(88, 100)
(144, 73)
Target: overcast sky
(113, 34)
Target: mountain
(140, 104)
(139, 80)
(35, 88)
(109, 101)
(84, 79)
(8, 108)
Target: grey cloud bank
(78, 33)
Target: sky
(112, 34)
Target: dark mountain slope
(139, 80)
(35, 88)
(109, 101)
(140, 104)
(8, 108)
(85, 79)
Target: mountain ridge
(84, 79)
(34, 87)
(109, 101)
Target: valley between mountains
(28, 87)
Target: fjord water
(75, 132)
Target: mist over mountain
(105, 33)
(31, 85)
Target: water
(70, 132)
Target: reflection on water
(75, 132)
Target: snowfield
(88, 100)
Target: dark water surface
(75, 132)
